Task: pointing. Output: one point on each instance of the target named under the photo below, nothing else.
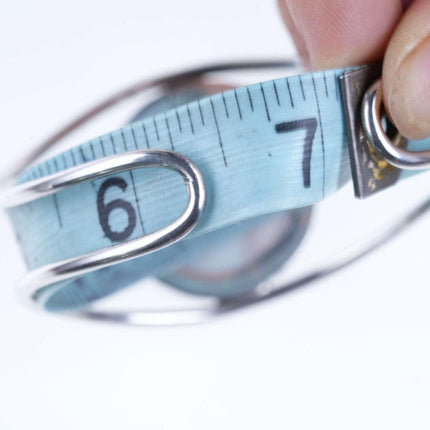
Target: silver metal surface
(370, 172)
(78, 266)
(390, 150)
(262, 293)
(36, 280)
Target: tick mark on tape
(276, 93)
(325, 84)
(178, 119)
(237, 103)
(289, 92)
(191, 120)
(64, 160)
(265, 102)
(83, 156)
(145, 134)
(102, 147)
(251, 103)
(55, 164)
(225, 105)
(201, 112)
(303, 90)
(156, 128)
(92, 151)
(218, 131)
(133, 136)
(123, 140)
(112, 142)
(169, 133)
(321, 133)
(72, 152)
(336, 83)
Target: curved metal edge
(80, 265)
(15, 195)
(371, 118)
(264, 292)
(370, 111)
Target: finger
(338, 33)
(406, 75)
(295, 33)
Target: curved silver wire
(191, 316)
(40, 278)
(396, 156)
(262, 293)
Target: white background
(352, 351)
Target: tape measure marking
(321, 131)
(310, 125)
(258, 147)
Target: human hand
(340, 33)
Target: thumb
(340, 33)
(406, 74)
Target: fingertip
(339, 33)
(408, 97)
(406, 77)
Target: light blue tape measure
(241, 155)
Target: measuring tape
(261, 149)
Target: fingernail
(409, 98)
